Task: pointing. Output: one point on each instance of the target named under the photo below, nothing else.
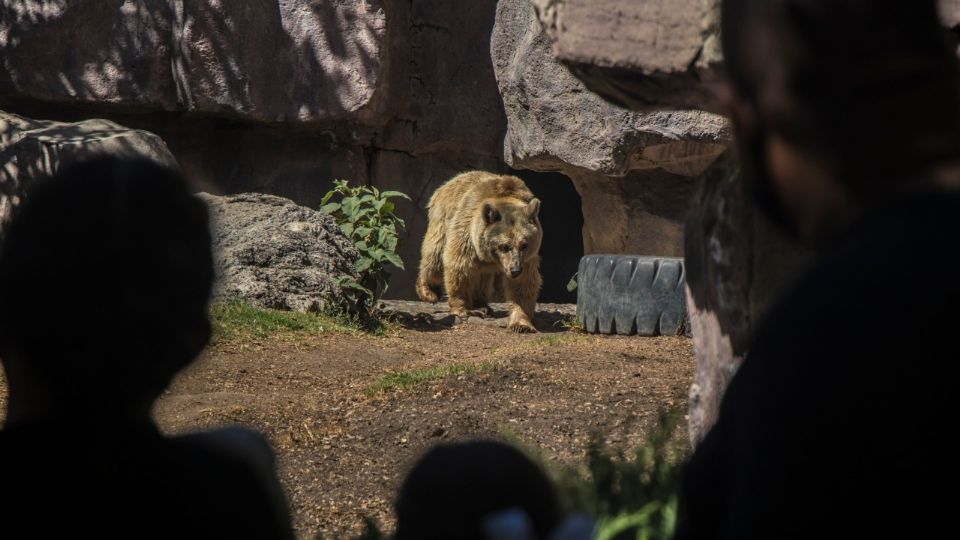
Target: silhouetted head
(105, 276)
(838, 105)
(455, 489)
(511, 233)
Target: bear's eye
(505, 248)
(523, 246)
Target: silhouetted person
(476, 491)
(839, 422)
(105, 275)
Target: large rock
(292, 61)
(634, 170)
(31, 150)
(658, 55)
(272, 253)
(638, 53)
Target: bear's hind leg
(484, 293)
(431, 261)
(428, 285)
(461, 289)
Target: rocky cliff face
(270, 96)
(282, 97)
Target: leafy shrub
(631, 496)
(366, 216)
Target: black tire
(629, 294)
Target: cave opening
(561, 215)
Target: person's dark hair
(875, 83)
(105, 275)
(454, 488)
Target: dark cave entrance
(561, 214)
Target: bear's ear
(533, 209)
(490, 214)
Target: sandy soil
(343, 451)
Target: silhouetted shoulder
(134, 483)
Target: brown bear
(483, 229)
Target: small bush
(366, 216)
(631, 496)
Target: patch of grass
(403, 380)
(553, 340)
(237, 321)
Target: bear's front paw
(522, 328)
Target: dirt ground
(342, 452)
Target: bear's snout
(515, 272)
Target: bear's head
(511, 234)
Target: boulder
(31, 150)
(638, 53)
(270, 252)
(634, 170)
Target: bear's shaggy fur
(483, 228)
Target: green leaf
(572, 284)
(392, 194)
(394, 259)
(329, 208)
(362, 246)
(347, 229)
(387, 207)
(350, 205)
(363, 231)
(363, 264)
(326, 198)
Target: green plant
(572, 284)
(632, 496)
(366, 216)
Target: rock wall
(284, 97)
(275, 97)
(297, 61)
